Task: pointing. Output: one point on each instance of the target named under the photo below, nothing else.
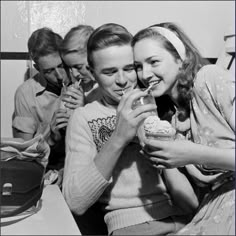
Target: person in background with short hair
(37, 101)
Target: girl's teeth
(154, 83)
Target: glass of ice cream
(147, 99)
(154, 128)
(158, 129)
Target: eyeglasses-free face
(78, 67)
(155, 65)
(52, 68)
(114, 71)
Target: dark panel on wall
(14, 56)
(25, 56)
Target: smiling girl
(204, 99)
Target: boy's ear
(36, 67)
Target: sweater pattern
(102, 129)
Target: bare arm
(170, 154)
(19, 134)
(181, 190)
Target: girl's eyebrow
(147, 59)
(151, 57)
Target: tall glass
(64, 90)
(147, 99)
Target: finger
(123, 100)
(155, 165)
(139, 119)
(156, 160)
(81, 89)
(144, 154)
(129, 97)
(146, 158)
(145, 108)
(161, 163)
(73, 101)
(151, 160)
(149, 149)
(74, 106)
(157, 144)
(73, 87)
(158, 163)
(75, 93)
(63, 114)
(137, 94)
(159, 167)
(62, 125)
(60, 110)
(61, 120)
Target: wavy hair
(107, 35)
(190, 66)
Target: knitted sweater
(134, 194)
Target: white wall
(204, 21)
(12, 75)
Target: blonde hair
(76, 39)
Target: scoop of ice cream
(153, 126)
(151, 123)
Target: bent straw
(149, 87)
(78, 83)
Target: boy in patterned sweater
(103, 160)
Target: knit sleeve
(23, 118)
(83, 184)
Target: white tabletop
(54, 218)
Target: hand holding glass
(146, 99)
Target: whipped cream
(153, 125)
